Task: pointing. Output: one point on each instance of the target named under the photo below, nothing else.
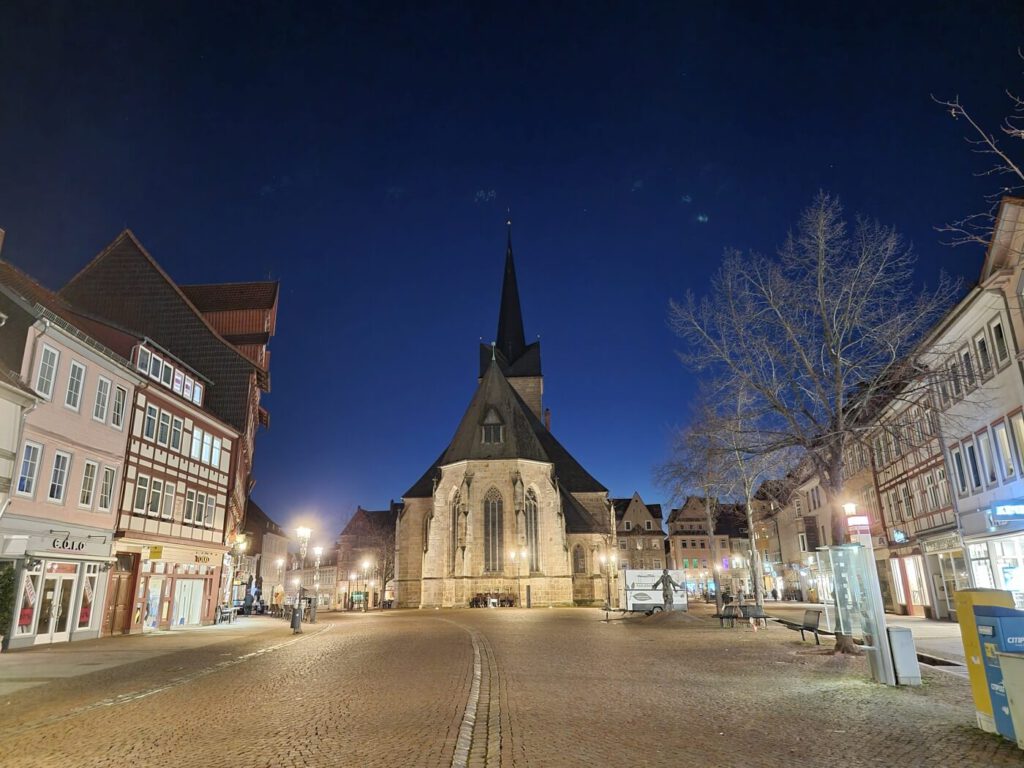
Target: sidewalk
(45, 663)
(933, 638)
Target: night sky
(366, 155)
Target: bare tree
(811, 336)
(696, 468)
(746, 457)
(977, 227)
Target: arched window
(427, 518)
(494, 543)
(532, 531)
(579, 560)
(453, 530)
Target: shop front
(174, 586)
(910, 594)
(60, 578)
(947, 572)
(994, 539)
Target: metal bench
(809, 624)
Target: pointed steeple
(511, 340)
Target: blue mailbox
(999, 629)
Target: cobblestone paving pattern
(556, 687)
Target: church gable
(495, 425)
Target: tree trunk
(756, 578)
(713, 550)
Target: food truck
(638, 593)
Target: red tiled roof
(224, 297)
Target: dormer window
(492, 430)
(629, 525)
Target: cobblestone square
(508, 687)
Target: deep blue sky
(365, 156)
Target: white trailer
(638, 593)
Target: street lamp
(607, 563)
(351, 580)
(302, 534)
(366, 585)
(277, 582)
(522, 555)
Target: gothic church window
(493, 531)
(532, 531)
(579, 560)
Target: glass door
(59, 583)
(154, 595)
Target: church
(505, 509)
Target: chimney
(547, 411)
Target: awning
(51, 555)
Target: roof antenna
(493, 345)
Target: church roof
(525, 437)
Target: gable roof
(525, 437)
(126, 285)
(621, 505)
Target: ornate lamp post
(351, 580)
(302, 534)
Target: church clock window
(493, 531)
(492, 430)
(579, 560)
(532, 531)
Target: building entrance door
(59, 583)
(119, 610)
(154, 604)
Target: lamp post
(278, 582)
(521, 556)
(317, 552)
(366, 584)
(607, 560)
(302, 534)
(351, 580)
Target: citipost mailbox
(966, 601)
(999, 630)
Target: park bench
(733, 612)
(809, 624)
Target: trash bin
(999, 629)
(904, 656)
(966, 599)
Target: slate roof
(621, 505)
(124, 284)
(114, 339)
(525, 438)
(367, 521)
(225, 297)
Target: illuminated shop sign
(898, 536)
(1008, 510)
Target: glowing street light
(302, 534)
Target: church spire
(511, 339)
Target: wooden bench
(809, 624)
